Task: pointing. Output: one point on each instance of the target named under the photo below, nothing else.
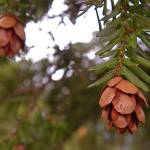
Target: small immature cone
(121, 105)
(12, 35)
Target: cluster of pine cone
(121, 105)
(12, 35)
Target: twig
(112, 4)
(84, 11)
(98, 18)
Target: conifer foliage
(125, 37)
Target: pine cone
(121, 105)
(12, 35)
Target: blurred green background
(41, 113)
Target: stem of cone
(121, 54)
(121, 60)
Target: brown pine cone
(121, 105)
(12, 35)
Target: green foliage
(100, 68)
(137, 70)
(134, 79)
(106, 77)
(124, 25)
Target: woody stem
(122, 47)
(121, 59)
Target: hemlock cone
(12, 35)
(121, 105)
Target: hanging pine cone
(121, 105)
(12, 35)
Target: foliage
(45, 114)
(127, 27)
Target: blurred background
(44, 99)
